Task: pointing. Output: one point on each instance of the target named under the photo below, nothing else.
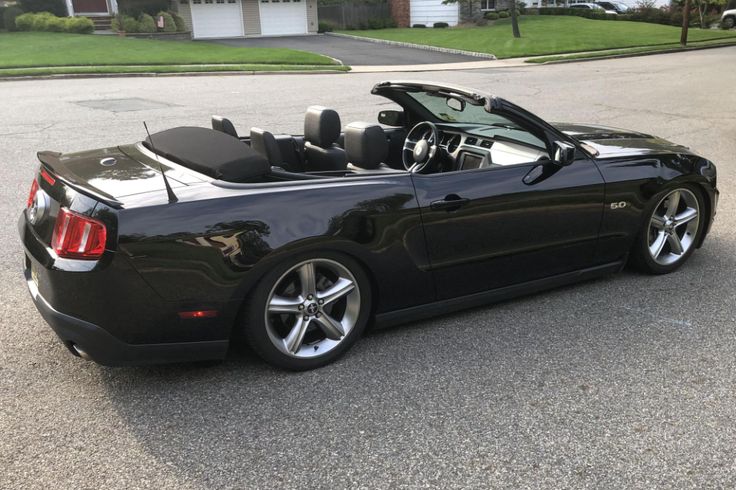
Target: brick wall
(400, 12)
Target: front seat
(265, 143)
(321, 131)
(366, 146)
(224, 125)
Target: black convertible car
(167, 249)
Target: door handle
(451, 202)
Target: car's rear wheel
(729, 22)
(308, 311)
(670, 232)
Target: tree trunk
(685, 23)
(514, 19)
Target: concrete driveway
(352, 52)
(625, 382)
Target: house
(407, 13)
(224, 18)
(247, 18)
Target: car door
(493, 227)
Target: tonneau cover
(212, 153)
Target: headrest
(321, 126)
(365, 144)
(223, 125)
(265, 143)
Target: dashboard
(473, 147)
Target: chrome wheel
(673, 226)
(312, 308)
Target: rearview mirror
(391, 118)
(455, 104)
(564, 153)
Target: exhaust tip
(81, 352)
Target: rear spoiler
(52, 160)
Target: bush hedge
(179, 22)
(491, 15)
(504, 14)
(146, 24)
(652, 15)
(9, 16)
(47, 22)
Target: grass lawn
(45, 49)
(545, 34)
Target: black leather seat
(321, 131)
(366, 146)
(265, 143)
(224, 125)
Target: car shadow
(466, 377)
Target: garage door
(283, 17)
(428, 12)
(217, 18)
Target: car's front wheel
(670, 232)
(308, 311)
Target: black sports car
(167, 249)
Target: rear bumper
(104, 348)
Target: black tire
(255, 325)
(728, 22)
(641, 258)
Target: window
(488, 4)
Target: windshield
(468, 113)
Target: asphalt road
(625, 382)
(353, 52)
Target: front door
(90, 6)
(509, 224)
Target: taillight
(32, 194)
(78, 237)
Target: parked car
(618, 7)
(168, 249)
(591, 6)
(728, 19)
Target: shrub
(116, 24)
(56, 7)
(24, 22)
(130, 24)
(504, 14)
(440, 25)
(40, 21)
(9, 17)
(55, 24)
(169, 25)
(491, 15)
(419, 26)
(325, 26)
(146, 23)
(80, 25)
(180, 25)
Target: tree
(685, 23)
(514, 20)
(702, 6)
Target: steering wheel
(420, 147)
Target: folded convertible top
(212, 153)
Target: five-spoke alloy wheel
(312, 310)
(671, 232)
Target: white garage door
(283, 17)
(428, 12)
(217, 18)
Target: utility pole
(685, 23)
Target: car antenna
(169, 190)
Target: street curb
(176, 74)
(415, 46)
(627, 55)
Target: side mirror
(391, 118)
(457, 105)
(564, 153)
